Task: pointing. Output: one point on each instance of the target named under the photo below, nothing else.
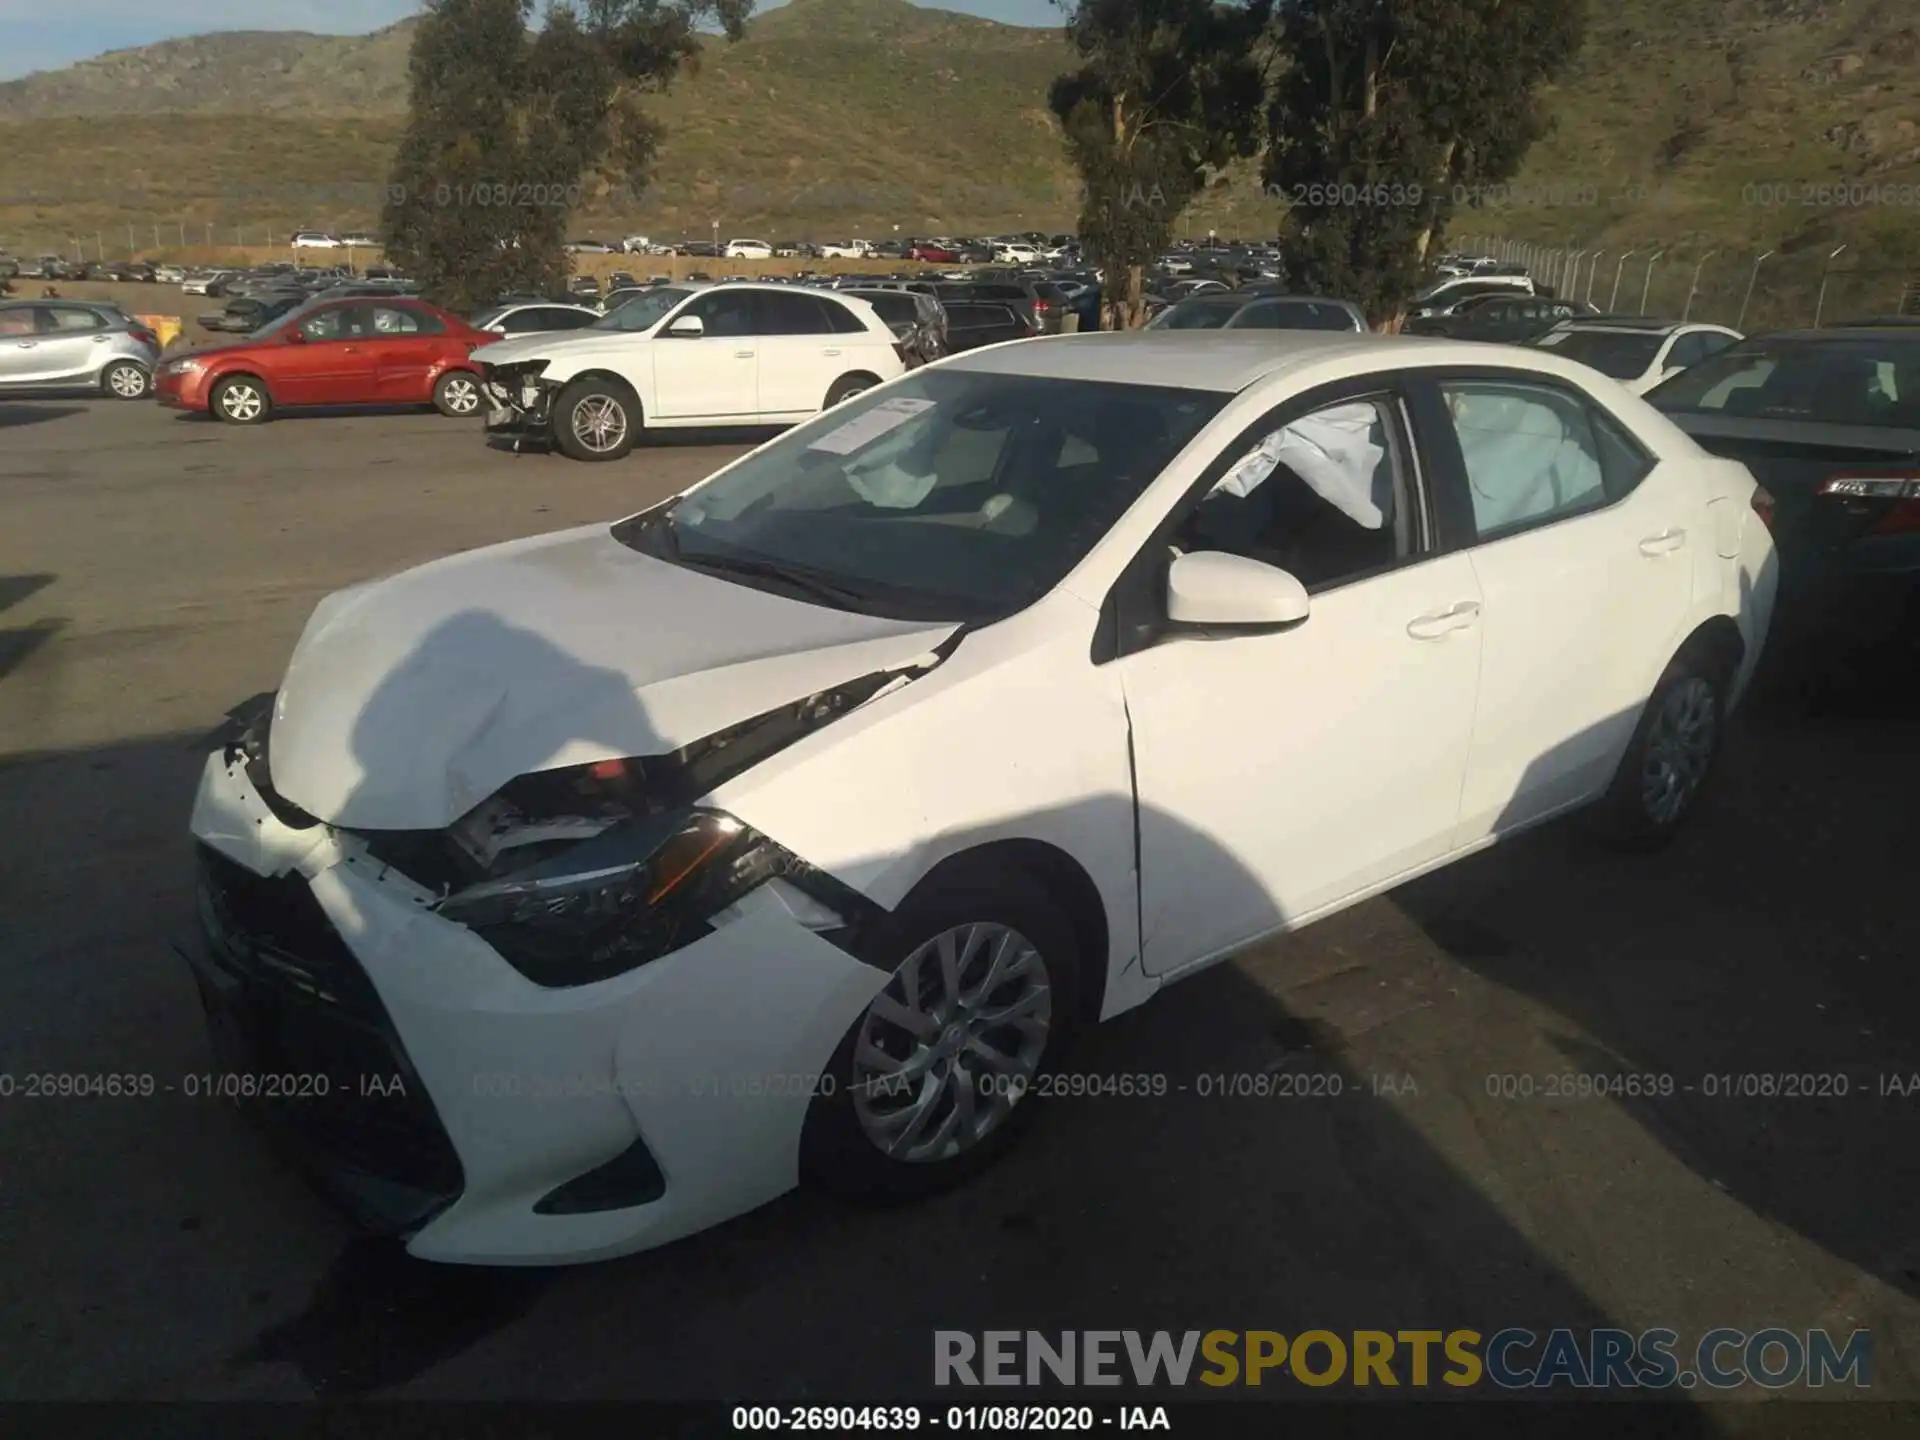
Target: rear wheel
(126, 380)
(457, 393)
(596, 419)
(1671, 756)
(936, 1079)
(241, 400)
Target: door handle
(1437, 623)
(829, 352)
(743, 354)
(1665, 543)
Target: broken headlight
(639, 889)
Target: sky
(36, 35)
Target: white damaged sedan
(585, 891)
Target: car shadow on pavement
(1765, 961)
(15, 413)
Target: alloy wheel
(461, 394)
(1679, 748)
(129, 382)
(951, 1044)
(599, 423)
(241, 402)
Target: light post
(1747, 299)
(1646, 286)
(1592, 266)
(1614, 298)
(1693, 287)
(1820, 305)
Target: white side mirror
(688, 326)
(1214, 588)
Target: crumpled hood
(574, 342)
(410, 700)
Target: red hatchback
(334, 352)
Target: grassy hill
(1687, 125)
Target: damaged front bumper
(519, 398)
(492, 1120)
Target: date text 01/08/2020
(1208, 1085)
(204, 1085)
(962, 1418)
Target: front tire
(1671, 757)
(457, 394)
(936, 1078)
(848, 386)
(596, 419)
(241, 400)
(127, 380)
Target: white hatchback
(618, 879)
(680, 356)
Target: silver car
(76, 344)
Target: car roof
(1228, 361)
(1629, 327)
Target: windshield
(643, 312)
(1618, 353)
(1197, 314)
(1874, 382)
(950, 495)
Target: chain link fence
(1749, 291)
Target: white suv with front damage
(686, 356)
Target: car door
(332, 363)
(1326, 757)
(407, 344)
(716, 374)
(1584, 548)
(801, 352)
(19, 339)
(67, 345)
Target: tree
(510, 124)
(1390, 111)
(1165, 90)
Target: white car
(681, 355)
(315, 240)
(1441, 297)
(1639, 354)
(844, 250)
(1015, 253)
(535, 318)
(748, 250)
(636, 245)
(199, 284)
(617, 879)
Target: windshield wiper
(809, 582)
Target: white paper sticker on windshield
(865, 429)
